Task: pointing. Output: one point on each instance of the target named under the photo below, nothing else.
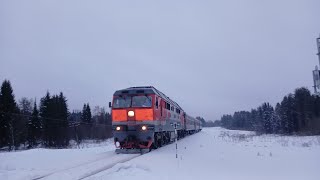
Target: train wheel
(166, 138)
(155, 144)
(161, 140)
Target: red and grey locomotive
(144, 118)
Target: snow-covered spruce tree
(253, 119)
(284, 116)
(86, 116)
(84, 113)
(8, 108)
(54, 123)
(44, 116)
(34, 127)
(86, 119)
(292, 115)
(89, 115)
(267, 117)
(259, 120)
(21, 121)
(276, 123)
(227, 121)
(54, 115)
(63, 114)
(303, 107)
(238, 121)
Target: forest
(297, 113)
(24, 124)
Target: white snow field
(214, 153)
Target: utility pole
(316, 72)
(318, 45)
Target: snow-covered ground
(214, 153)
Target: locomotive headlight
(144, 128)
(117, 144)
(131, 113)
(118, 128)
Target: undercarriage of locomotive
(131, 144)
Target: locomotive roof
(145, 90)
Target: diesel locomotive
(143, 118)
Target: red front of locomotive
(135, 118)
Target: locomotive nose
(132, 114)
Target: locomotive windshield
(135, 101)
(141, 101)
(122, 102)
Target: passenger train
(143, 118)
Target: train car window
(157, 103)
(168, 106)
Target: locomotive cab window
(122, 102)
(141, 101)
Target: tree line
(27, 125)
(206, 123)
(297, 113)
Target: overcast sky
(211, 57)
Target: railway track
(89, 168)
(106, 167)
